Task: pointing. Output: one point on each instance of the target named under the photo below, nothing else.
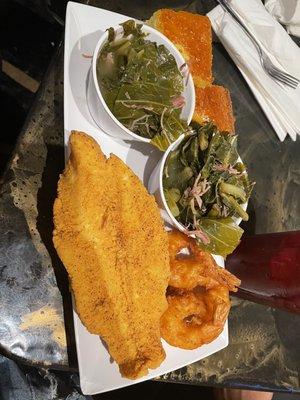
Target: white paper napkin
(280, 103)
(287, 12)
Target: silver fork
(266, 63)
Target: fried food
(193, 319)
(198, 295)
(191, 34)
(110, 237)
(213, 103)
(196, 268)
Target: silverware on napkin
(267, 64)
(280, 102)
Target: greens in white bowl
(206, 188)
(142, 84)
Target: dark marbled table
(35, 307)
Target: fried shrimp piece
(198, 295)
(189, 274)
(198, 268)
(195, 318)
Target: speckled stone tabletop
(35, 305)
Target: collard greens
(142, 85)
(205, 187)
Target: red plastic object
(269, 268)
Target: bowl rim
(178, 225)
(103, 38)
(171, 148)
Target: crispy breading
(198, 295)
(110, 237)
(213, 103)
(191, 34)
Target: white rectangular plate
(84, 25)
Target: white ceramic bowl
(100, 112)
(155, 187)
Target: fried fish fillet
(213, 103)
(110, 237)
(191, 34)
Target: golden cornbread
(213, 103)
(191, 34)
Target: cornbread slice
(111, 239)
(191, 34)
(213, 103)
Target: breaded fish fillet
(110, 237)
(191, 34)
(213, 103)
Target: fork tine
(287, 80)
(282, 79)
(278, 73)
(279, 78)
(286, 75)
(290, 76)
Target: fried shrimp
(195, 318)
(196, 268)
(198, 295)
